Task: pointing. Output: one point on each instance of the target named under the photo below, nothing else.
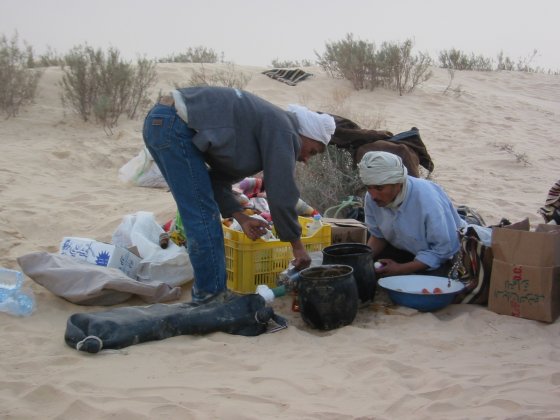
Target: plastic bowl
(407, 291)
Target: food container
(408, 291)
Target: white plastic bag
(170, 265)
(142, 171)
(121, 236)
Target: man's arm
(390, 267)
(377, 245)
(301, 257)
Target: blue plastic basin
(407, 291)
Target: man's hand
(388, 268)
(393, 268)
(252, 227)
(301, 257)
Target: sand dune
(58, 177)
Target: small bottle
(13, 300)
(10, 279)
(164, 240)
(315, 225)
(17, 303)
(269, 294)
(288, 279)
(304, 209)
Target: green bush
(458, 60)
(399, 69)
(18, 82)
(392, 66)
(286, 64)
(198, 54)
(522, 64)
(49, 58)
(101, 85)
(328, 178)
(351, 59)
(145, 76)
(228, 76)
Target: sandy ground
(58, 177)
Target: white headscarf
(319, 127)
(381, 168)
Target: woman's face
(384, 194)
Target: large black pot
(359, 257)
(328, 296)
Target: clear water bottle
(288, 279)
(14, 300)
(269, 294)
(315, 225)
(10, 279)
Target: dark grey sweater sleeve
(279, 152)
(223, 194)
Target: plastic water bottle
(13, 300)
(269, 294)
(315, 225)
(288, 279)
(304, 209)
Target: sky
(256, 32)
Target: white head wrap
(319, 127)
(381, 168)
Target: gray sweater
(240, 135)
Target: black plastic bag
(122, 327)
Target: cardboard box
(525, 279)
(100, 253)
(347, 230)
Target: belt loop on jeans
(166, 100)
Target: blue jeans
(169, 140)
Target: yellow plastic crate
(251, 263)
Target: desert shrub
(145, 76)
(80, 80)
(18, 82)
(103, 86)
(350, 59)
(286, 64)
(458, 60)
(523, 63)
(49, 58)
(457, 90)
(198, 54)
(454, 59)
(509, 148)
(228, 76)
(504, 62)
(328, 178)
(393, 65)
(114, 90)
(399, 69)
